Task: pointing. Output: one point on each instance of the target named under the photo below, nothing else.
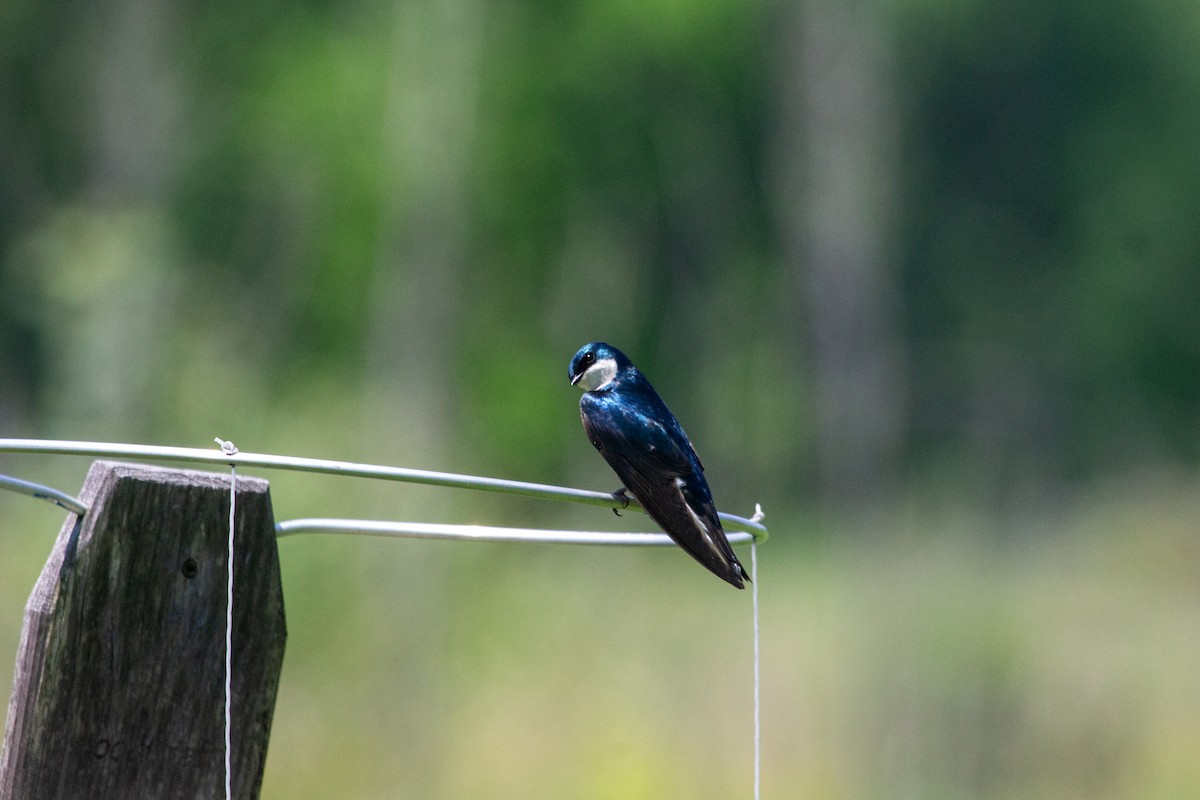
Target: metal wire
(229, 563)
(742, 530)
(757, 675)
(752, 528)
(479, 533)
(60, 499)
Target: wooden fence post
(119, 684)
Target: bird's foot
(621, 494)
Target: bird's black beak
(575, 379)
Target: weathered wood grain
(119, 684)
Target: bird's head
(596, 365)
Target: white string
(229, 449)
(757, 675)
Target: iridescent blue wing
(657, 463)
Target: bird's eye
(587, 359)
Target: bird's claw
(622, 495)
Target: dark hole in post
(190, 568)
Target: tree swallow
(644, 444)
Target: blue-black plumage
(641, 440)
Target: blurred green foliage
(378, 231)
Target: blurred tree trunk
(100, 274)
(418, 303)
(835, 151)
(429, 134)
(135, 128)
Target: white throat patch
(598, 375)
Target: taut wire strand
(228, 448)
(757, 675)
(324, 466)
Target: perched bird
(644, 444)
